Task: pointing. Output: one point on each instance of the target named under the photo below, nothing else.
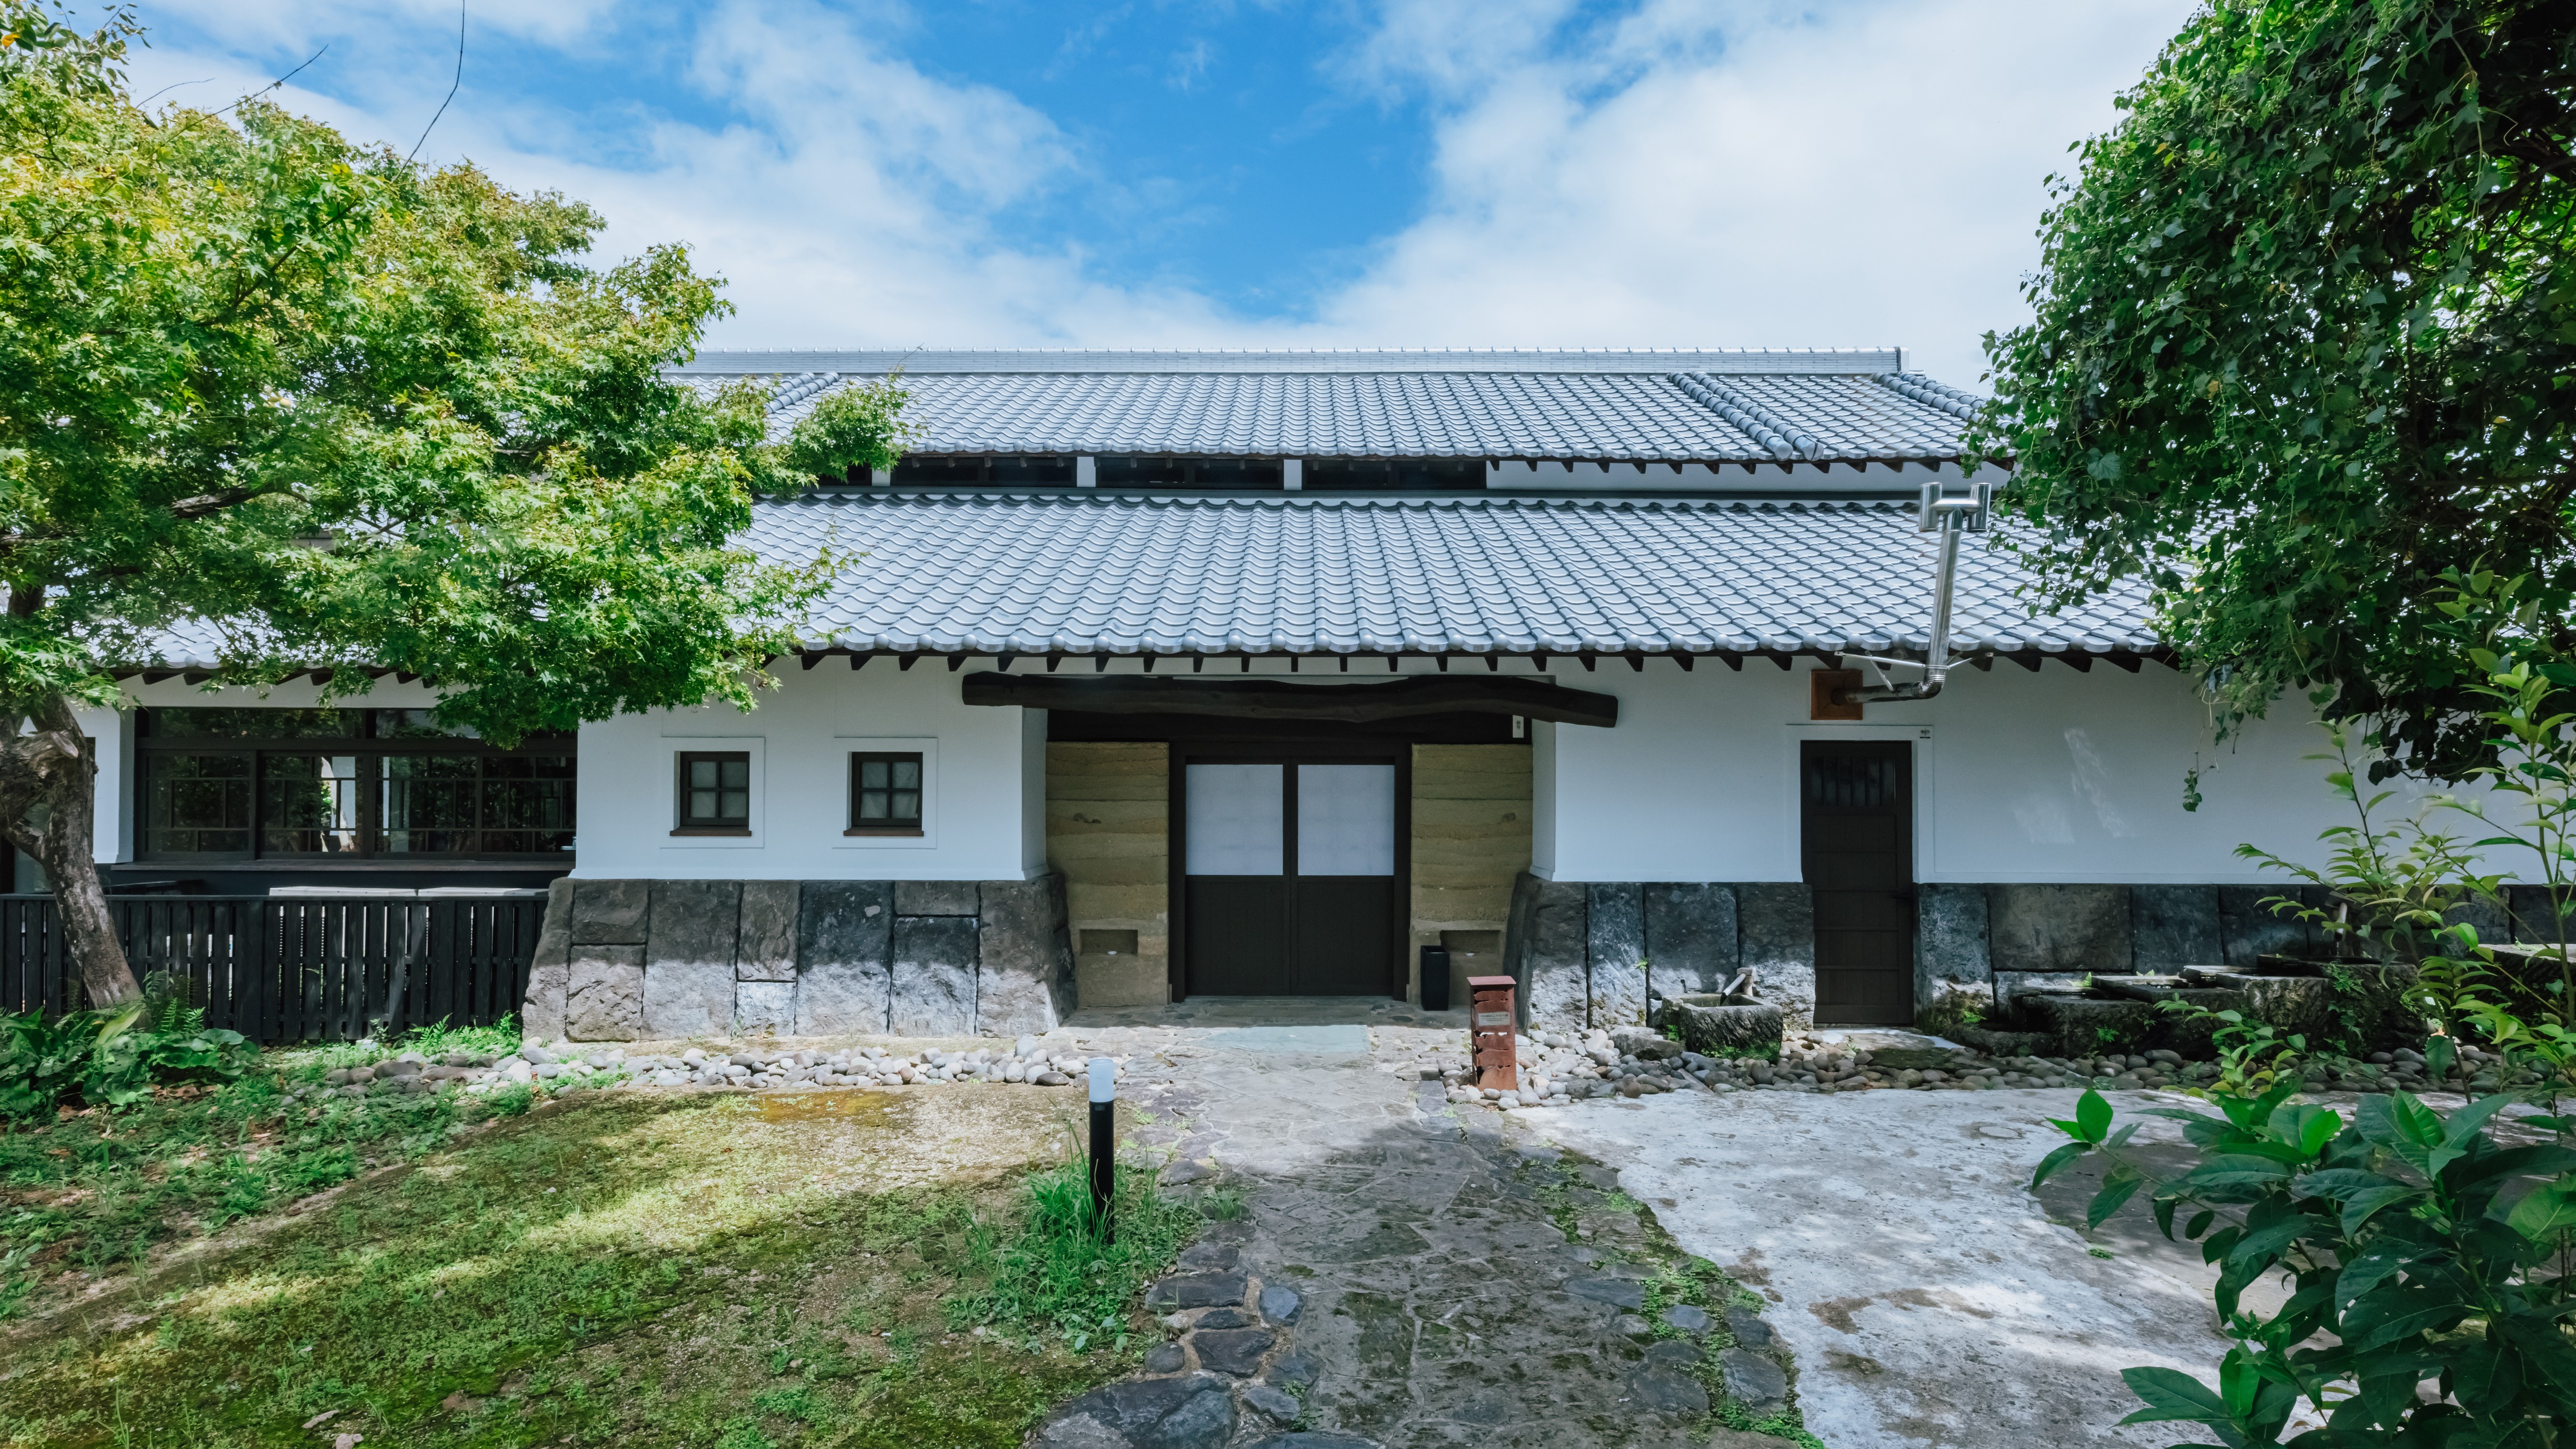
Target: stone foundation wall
(626, 960)
(1108, 831)
(1586, 954)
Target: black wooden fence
(284, 969)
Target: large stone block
(1949, 936)
(610, 912)
(937, 898)
(1691, 945)
(541, 1012)
(1776, 932)
(687, 998)
(2534, 918)
(844, 954)
(844, 920)
(764, 1006)
(933, 988)
(2173, 926)
(1556, 979)
(1614, 942)
(605, 1000)
(765, 948)
(2249, 929)
(2059, 928)
(1024, 958)
(838, 998)
(2484, 916)
(694, 921)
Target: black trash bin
(1435, 978)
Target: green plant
(2253, 1056)
(236, 334)
(1056, 1273)
(2298, 340)
(2407, 1260)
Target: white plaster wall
(2052, 776)
(984, 798)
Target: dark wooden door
(1856, 839)
(1289, 875)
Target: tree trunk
(52, 768)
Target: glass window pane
(702, 806)
(702, 774)
(872, 805)
(737, 774)
(250, 724)
(308, 805)
(1237, 820)
(873, 773)
(907, 774)
(432, 805)
(528, 805)
(418, 724)
(907, 805)
(1346, 819)
(196, 804)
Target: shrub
(2409, 1262)
(112, 1058)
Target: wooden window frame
(921, 791)
(681, 761)
(371, 750)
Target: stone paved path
(1442, 1301)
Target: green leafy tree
(351, 414)
(2305, 341)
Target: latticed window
(885, 792)
(715, 791)
(359, 785)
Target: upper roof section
(1767, 410)
(923, 362)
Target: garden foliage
(2304, 340)
(114, 1057)
(2418, 1249)
(332, 410)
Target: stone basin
(1724, 1026)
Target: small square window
(715, 791)
(885, 794)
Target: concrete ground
(1931, 1301)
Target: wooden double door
(1290, 871)
(1856, 837)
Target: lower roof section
(1325, 580)
(1303, 576)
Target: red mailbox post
(1490, 1025)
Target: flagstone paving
(1455, 1281)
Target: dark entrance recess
(1289, 872)
(1856, 835)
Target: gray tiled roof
(990, 573)
(1746, 407)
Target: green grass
(682, 1270)
(94, 1189)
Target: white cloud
(1857, 176)
(1695, 173)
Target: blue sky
(1167, 173)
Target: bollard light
(1104, 1147)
